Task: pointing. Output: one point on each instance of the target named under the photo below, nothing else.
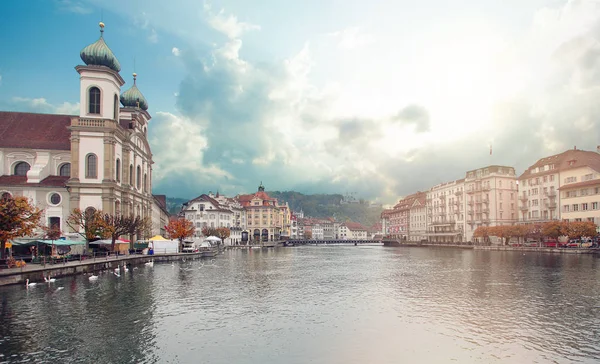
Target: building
(352, 231)
(160, 215)
(417, 217)
(265, 216)
(579, 187)
(491, 197)
(385, 222)
(540, 183)
(205, 211)
(99, 159)
(446, 212)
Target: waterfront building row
(564, 186)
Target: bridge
(330, 242)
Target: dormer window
(94, 100)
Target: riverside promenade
(37, 272)
(395, 243)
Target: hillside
(319, 206)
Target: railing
(523, 198)
(486, 188)
(95, 123)
(458, 193)
(551, 205)
(470, 203)
(551, 193)
(486, 211)
(524, 208)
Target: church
(99, 159)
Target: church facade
(99, 159)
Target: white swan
(150, 263)
(59, 288)
(27, 284)
(125, 269)
(117, 273)
(93, 277)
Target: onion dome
(98, 54)
(133, 97)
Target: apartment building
(491, 197)
(417, 217)
(446, 212)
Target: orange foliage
(18, 218)
(180, 229)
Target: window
(118, 170)
(55, 198)
(594, 205)
(54, 222)
(65, 170)
(117, 208)
(21, 169)
(145, 182)
(131, 174)
(91, 166)
(138, 178)
(116, 105)
(94, 101)
(545, 179)
(565, 208)
(584, 206)
(575, 207)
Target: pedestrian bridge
(331, 242)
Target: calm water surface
(341, 304)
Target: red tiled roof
(572, 158)
(355, 226)
(34, 131)
(50, 181)
(592, 182)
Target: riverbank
(37, 272)
(395, 243)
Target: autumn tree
(209, 231)
(482, 232)
(554, 229)
(521, 232)
(86, 223)
(579, 229)
(18, 218)
(140, 226)
(308, 235)
(52, 232)
(504, 232)
(180, 229)
(223, 233)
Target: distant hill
(320, 206)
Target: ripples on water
(340, 304)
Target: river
(325, 304)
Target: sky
(377, 98)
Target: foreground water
(342, 304)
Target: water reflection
(316, 304)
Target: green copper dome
(98, 54)
(133, 97)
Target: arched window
(65, 170)
(116, 105)
(89, 212)
(91, 166)
(145, 182)
(94, 100)
(118, 170)
(131, 174)
(139, 178)
(21, 169)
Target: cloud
(176, 52)
(153, 37)
(243, 121)
(41, 105)
(351, 38)
(71, 6)
(228, 24)
(415, 115)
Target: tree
(482, 232)
(521, 232)
(554, 229)
(504, 232)
(86, 223)
(308, 235)
(18, 218)
(579, 229)
(209, 231)
(52, 232)
(223, 233)
(180, 229)
(114, 226)
(139, 226)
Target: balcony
(524, 208)
(523, 198)
(486, 200)
(550, 193)
(486, 211)
(471, 212)
(471, 191)
(486, 188)
(470, 203)
(550, 205)
(485, 221)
